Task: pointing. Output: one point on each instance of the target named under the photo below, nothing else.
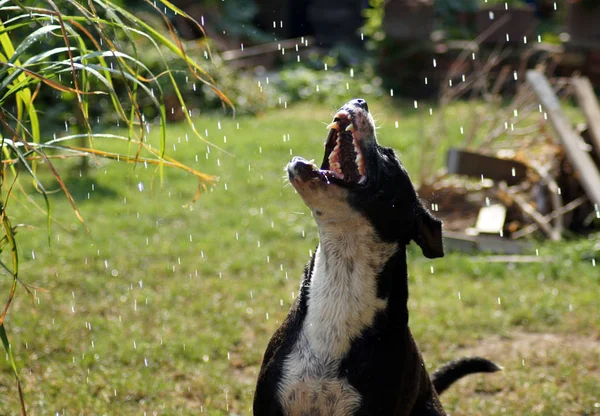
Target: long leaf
(11, 359)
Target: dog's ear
(428, 234)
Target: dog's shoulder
(287, 334)
(280, 346)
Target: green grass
(165, 309)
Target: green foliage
(237, 20)
(318, 79)
(331, 86)
(78, 59)
(447, 7)
(373, 27)
(503, 3)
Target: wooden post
(589, 104)
(589, 176)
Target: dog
(345, 347)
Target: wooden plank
(581, 160)
(500, 245)
(456, 241)
(589, 104)
(266, 48)
(462, 162)
(490, 219)
(515, 258)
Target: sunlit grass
(165, 308)
(81, 56)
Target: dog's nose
(359, 102)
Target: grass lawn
(162, 309)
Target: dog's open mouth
(344, 159)
(343, 156)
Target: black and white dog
(345, 348)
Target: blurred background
(151, 246)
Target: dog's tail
(447, 374)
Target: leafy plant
(503, 3)
(373, 27)
(88, 56)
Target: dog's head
(358, 177)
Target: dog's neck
(343, 288)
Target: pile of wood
(543, 178)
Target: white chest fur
(342, 302)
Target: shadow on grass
(84, 188)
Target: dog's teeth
(362, 180)
(337, 169)
(358, 160)
(333, 125)
(350, 127)
(360, 164)
(335, 155)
